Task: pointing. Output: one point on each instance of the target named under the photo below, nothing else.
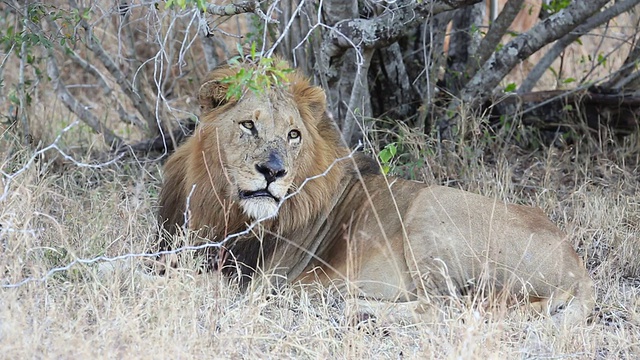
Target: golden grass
(55, 213)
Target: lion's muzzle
(245, 195)
(273, 168)
(262, 201)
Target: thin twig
(139, 100)
(22, 84)
(102, 81)
(73, 104)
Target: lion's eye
(248, 124)
(294, 134)
(249, 127)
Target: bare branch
(106, 259)
(125, 24)
(21, 82)
(286, 30)
(388, 27)
(102, 81)
(358, 98)
(626, 74)
(138, 98)
(501, 62)
(76, 106)
(68, 99)
(239, 8)
(496, 31)
(629, 79)
(7, 178)
(536, 73)
(3, 63)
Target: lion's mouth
(245, 195)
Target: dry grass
(55, 213)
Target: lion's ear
(312, 97)
(212, 94)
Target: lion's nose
(273, 168)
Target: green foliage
(511, 87)
(386, 157)
(25, 43)
(257, 31)
(602, 60)
(182, 4)
(263, 74)
(554, 6)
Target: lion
(268, 177)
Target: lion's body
(353, 228)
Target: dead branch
(558, 109)
(239, 8)
(502, 61)
(627, 72)
(166, 142)
(73, 104)
(496, 31)
(139, 100)
(100, 78)
(612, 11)
(388, 27)
(485, 81)
(125, 24)
(21, 82)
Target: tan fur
(381, 238)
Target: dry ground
(55, 212)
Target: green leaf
(253, 50)
(240, 50)
(388, 153)
(602, 60)
(510, 87)
(202, 5)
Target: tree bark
(497, 29)
(612, 11)
(463, 45)
(501, 62)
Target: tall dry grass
(57, 211)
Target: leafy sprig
(263, 73)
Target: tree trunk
(463, 44)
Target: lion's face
(260, 138)
(262, 147)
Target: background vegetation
(540, 110)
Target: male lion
(388, 239)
